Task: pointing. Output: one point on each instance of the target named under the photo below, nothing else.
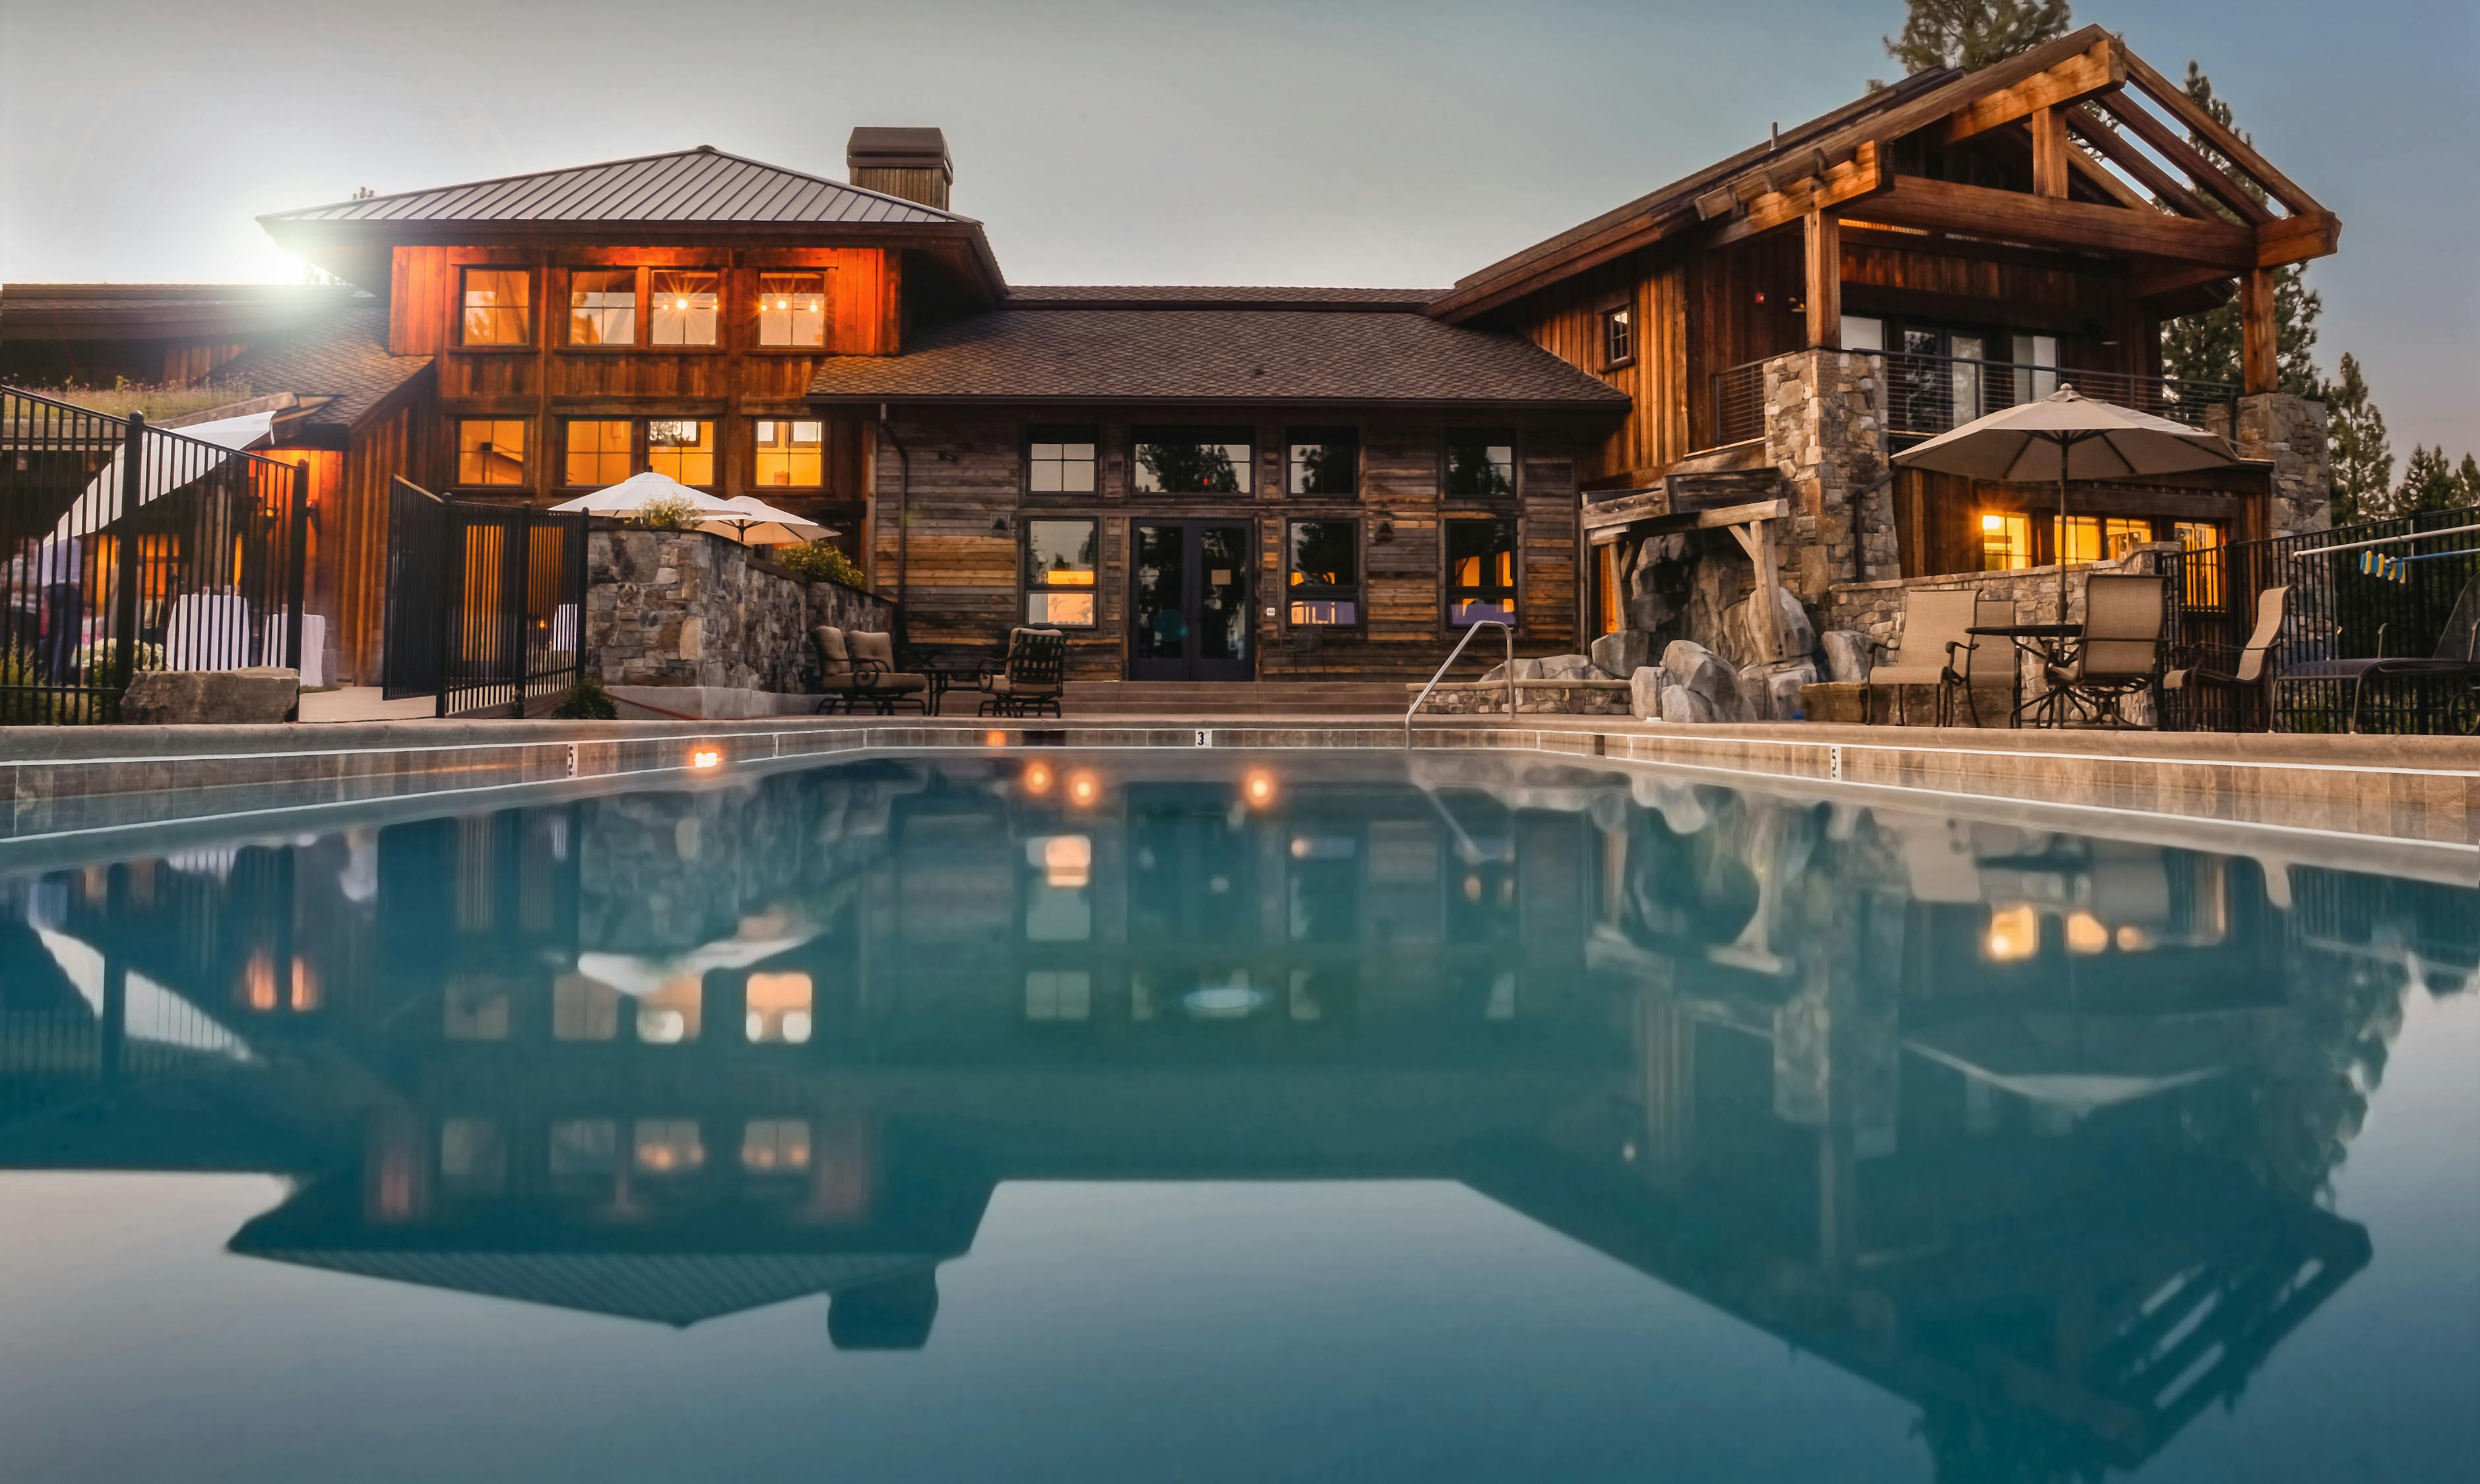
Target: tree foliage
(2364, 465)
(2430, 482)
(1972, 33)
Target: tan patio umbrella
(754, 522)
(2067, 437)
(638, 491)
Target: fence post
(124, 550)
(452, 569)
(296, 580)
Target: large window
(1619, 336)
(1325, 460)
(602, 306)
(791, 452)
(1481, 571)
(688, 306)
(2207, 561)
(683, 448)
(2089, 538)
(598, 452)
(491, 450)
(1325, 573)
(1059, 460)
(1193, 461)
(499, 307)
(1481, 462)
(2006, 541)
(791, 309)
(1059, 568)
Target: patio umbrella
(638, 491)
(170, 463)
(2066, 437)
(755, 522)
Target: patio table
(2049, 642)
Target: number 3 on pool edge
(1204, 738)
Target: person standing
(25, 614)
(60, 569)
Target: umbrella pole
(2062, 534)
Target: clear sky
(1282, 141)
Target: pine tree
(1973, 34)
(2206, 347)
(2428, 483)
(2468, 476)
(2364, 465)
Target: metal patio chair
(1936, 648)
(2456, 659)
(2120, 655)
(856, 668)
(1030, 675)
(2255, 674)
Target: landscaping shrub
(667, 512)
(820, 561)
(587, 700)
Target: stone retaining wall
(671, 608)
(1875, 610)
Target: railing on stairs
(1477, 627)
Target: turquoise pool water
(1149, 1116)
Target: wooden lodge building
(1214, 483)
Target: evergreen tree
(2364, 465)
(1972, 33)
(2469, 477)
(2206, 347)
(2429, 482)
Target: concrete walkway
(364, 703)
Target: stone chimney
(910, 162)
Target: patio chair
(1936, 649)
(1030, 675)
(2120, 655)
(2456, 659)
(2255, 670)
(856, 668)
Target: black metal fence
(485, 604)
(1927, 395)
(126, 548)
(2380, 589)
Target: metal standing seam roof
(701, 184)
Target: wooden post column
(2260, 368)
(2050, 153)
(1823, 237)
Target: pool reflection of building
(2028, 1129)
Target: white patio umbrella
(754, 522)
(2066, 437)
(638, 491)
(169, 465)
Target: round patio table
(952, 673)
(2050, 644)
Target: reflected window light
(1502, 997)
(2086, 934)
(1058, 994)
(1259, 788)
(583, 1009)
(1067, 860)
(583, 1146)
(672, 1014)
(771, 1144)
(2014, 934)
(668, 1147)
(258, 981)
(779, 1009)
(1084, 788)
(2134, 940)
(306, 986)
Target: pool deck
(58, 782)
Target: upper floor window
(791, 452)
(792, 309)
(1325, 460)
(1059, 460)
(1619, 336)
(1481, 462)
(683, 448)
(1193, 461)
(1481, 571)
(602, 306)
(688, 306)
(499, 307)
(491, 450)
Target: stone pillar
(1825, 423)
(2290, 430)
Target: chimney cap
(899, 149)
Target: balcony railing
(1929, 395)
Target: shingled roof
(1209, 296)
(148, 311)
(344, 357)
(1257, 356)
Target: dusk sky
(1277, 142)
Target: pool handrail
(1470, 629)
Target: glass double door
(1188, 616)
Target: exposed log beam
(2171, 145)
(2049, 151)
(1855, 178)
(1821, 239)
(2297, 238)
(2153, 283)
(2100, 68)
(2090, 170)
(2116, 148)
(2237, 151)
(2259, 368)
(2013, 216)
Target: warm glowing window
(1060, 460)
(771, 1145)
(598, 452)
(779, 1009)
(2206, 561)
(791, 309)
(667, 1146)
(1481, 571)
(490, 452)
(499, 307)
(602, 306)
(2014, 934)
(1325, 579)
(1325, 460)
(1609, 612)
(681, 448)
(583, 1009)
(791, 451)
(2006, 541)
(1059, 567)
(1481, 462)
(2089, 538)
(684, 306)
(1192, 461)
(671, 1014)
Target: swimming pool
(1201, 1116)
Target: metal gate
(487, 604)
(126, 548)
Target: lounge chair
(2255, 670)
(2457, 658)
(856, 668)
(1936, 648)
(2120, 655)
(1030, 675)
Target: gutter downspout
(903, 523)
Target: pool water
(1200, 1116)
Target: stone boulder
(1847, 653)
(1748, 629)
(1679, 703)
(1621, 654)
(217, 698)
(1771, 693)
(1569, 667)
(1644, 692)
(1525, 670)
(1699, 672)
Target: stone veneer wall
(688, 608)
(2291, 431)
(1875, 610)
(1825, 434)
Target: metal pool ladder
(1476, 626)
